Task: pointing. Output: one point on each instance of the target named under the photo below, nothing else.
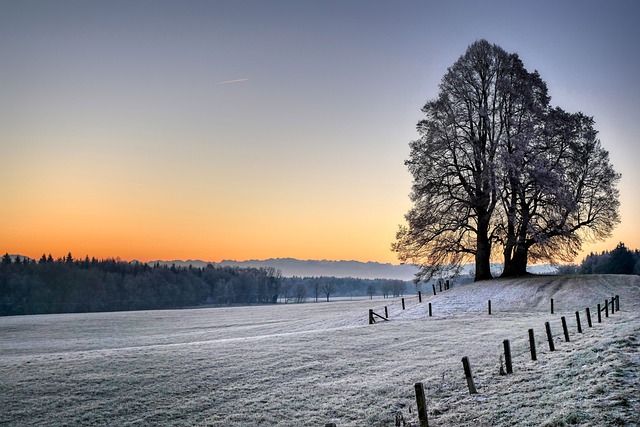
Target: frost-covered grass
(310, 364)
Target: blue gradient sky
(257, 129)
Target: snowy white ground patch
(309, 364)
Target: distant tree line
(301, 289)
(69, 285)
(620, 260)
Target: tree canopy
(498, 170)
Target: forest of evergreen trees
(68, 285)
(620, 260)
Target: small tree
(300, 292)
(328, 288)
(398, 288)
(371, 290)
(386, 289)
(274, 282)
(317, 284)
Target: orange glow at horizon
(221, 131)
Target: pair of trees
(498, 170)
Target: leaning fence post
(430, 313)
(422, 405)
(403, 303)
(551, 305)
(565, 329)
(532, 345)
(386, 312)
(489, 306)
(507, 356)
(589, 317)
(578, 322)
(549, 336)
(433, 285)
(419, 296)
(599, 314)
(468, 376)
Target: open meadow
(315, 363)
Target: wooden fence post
(422, 405)
(565, 329)
(606, 308)
(613, 305)
(403, 303)
(371, 321)
(589, 317)
(507, 356)
(578, 322)
(430, 313)
(489, 306)
(599, 314)
(468, 375)
(617, 302)
(419, 296)
(446, 284)
(551, 305)
(532, 345)
(549, 336)
(386, 312)
(433, 285)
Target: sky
(263, 129)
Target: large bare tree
(566, 193)
(453, 164)
(496, 169)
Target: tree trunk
(516, 265)
(483, 253)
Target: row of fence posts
(614, 305)
(373, 315)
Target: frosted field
(309, 364)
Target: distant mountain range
(364, 270)
(290, 267)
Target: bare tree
(386, 289)
(300, 292)
(371, 290)
(274, 282)
(317, 283)
(454, 165)
(398, 288)
(328, 288)
(496, 168)
(566, 193)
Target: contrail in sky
(231, 81)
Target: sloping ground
(310, 364)
(594, 380)
(530, 294)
